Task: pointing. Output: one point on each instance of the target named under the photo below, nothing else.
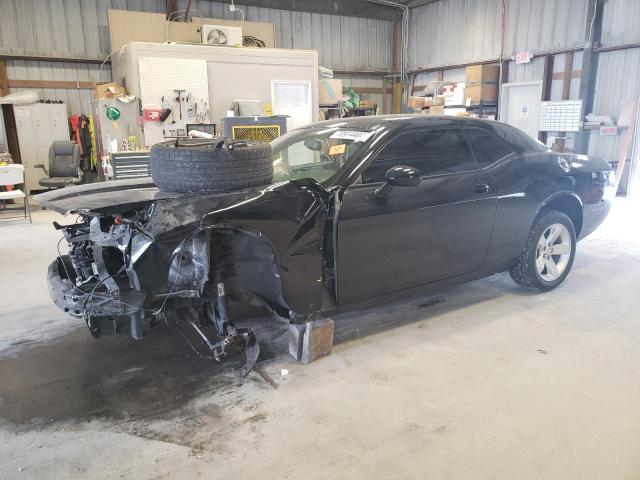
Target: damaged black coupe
(358, 209)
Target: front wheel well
(245, 262)
(570, 206)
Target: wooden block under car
(317, 340)
(296, 335)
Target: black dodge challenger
(358, 209)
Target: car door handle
(481, 188)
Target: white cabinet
(38, 126)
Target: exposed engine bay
(115, 277)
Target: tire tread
(190, 168)
(523, 271)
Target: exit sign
(523, 57)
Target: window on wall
(487, 147)
(293, 99)
(432, 152)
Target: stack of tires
(216, 165)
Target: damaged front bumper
(105, 314)
(96, 280)
(120, 279)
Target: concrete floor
(481, 381)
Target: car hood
(105, 198)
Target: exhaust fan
(221, 35)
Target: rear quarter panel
(526, 183)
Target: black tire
(210, 165)
(524, 272)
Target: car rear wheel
(548, 253)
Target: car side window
(433, 152)
(487, 147)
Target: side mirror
(403, 176)
(313, 144)
(398, 176)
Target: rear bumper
(592, 216)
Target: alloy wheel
(553, 252)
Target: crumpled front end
(118, 278)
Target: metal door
(520, 106)
(437, 229)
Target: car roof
(516, 138)
(410, 119)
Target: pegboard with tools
(174, 93)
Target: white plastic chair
(13, 175)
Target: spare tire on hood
(216, 165)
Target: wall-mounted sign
(523, 57)
(607, 131)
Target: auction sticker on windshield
(354, 135)
(338, 149)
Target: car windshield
(316, 153)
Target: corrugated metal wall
(451, 32)
(77, 100)
(618, 80)
(618, 72)
(447, 32)
(79, 28)
(544, 25)
(621, 22)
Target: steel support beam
(4, 81)
(547, 79)
(593, 34)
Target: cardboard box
(485, 92)
(436, 110)
(414, 102)
(330, 91)
(367, 103)
(481, 84)
(108, 91)
(438, 100)
(420, 102)
(481, 74)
